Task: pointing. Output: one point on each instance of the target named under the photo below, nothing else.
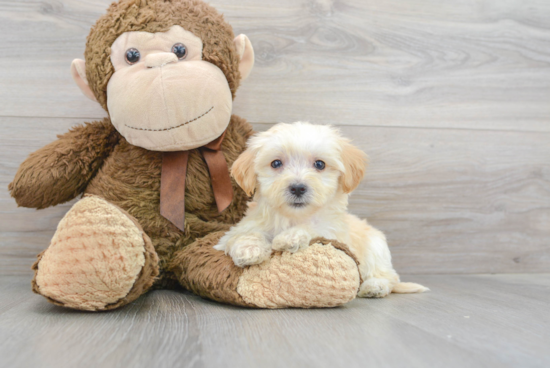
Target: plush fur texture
(323, 275)
(61, 170)
(128, 178)
(221, 280)
(158, 16)
(326, 168)
(114, 254)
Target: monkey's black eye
(132, 56)
(319, 165)
(180, 50)
(276, 164)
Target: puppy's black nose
(298, 189)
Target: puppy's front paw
(249, 250)
(375, 288)
(291, 240)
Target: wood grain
(449, 201)
(421, 63)
(465, 321)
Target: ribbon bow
(172, 181)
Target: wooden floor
(465, 321)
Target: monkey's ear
(243, 171)
(78, 71)
(246, 55)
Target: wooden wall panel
(423, 63)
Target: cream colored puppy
(302, 175)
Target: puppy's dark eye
(319, 165)
(180, 50)
(276, 164)
(132, 56)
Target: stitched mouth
(174, 127)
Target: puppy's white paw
(249, 250)
(375, 288)
(291, 240)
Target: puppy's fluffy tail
(408, 288)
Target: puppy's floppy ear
(355, 164)
(243, 171)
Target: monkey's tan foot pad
(98, 259)
(325, 274)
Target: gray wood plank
(421, 63)
(465, 321)
(449, 201)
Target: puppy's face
(298, 168)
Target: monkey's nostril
(298, 189)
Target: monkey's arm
(60, 171)
(197, 228)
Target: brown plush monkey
(166, 72)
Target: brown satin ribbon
(172, 181)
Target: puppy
(302, 175)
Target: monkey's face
(163, 96)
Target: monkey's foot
(98, 259)
(325, 274)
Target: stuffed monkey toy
(154, 179)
